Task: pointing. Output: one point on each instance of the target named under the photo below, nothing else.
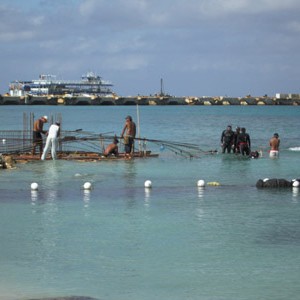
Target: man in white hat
(37, 134)
(53, 134)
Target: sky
(200, 48)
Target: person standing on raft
(274, 144)
(53, 134)
(130, 131)
(37, 134)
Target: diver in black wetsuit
(235, 146)
(244, 142)
(227, 139)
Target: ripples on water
(174, 241)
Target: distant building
(89, 84)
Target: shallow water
(174, 241)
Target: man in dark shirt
(37, 134)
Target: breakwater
(144, 100)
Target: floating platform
(83, 156)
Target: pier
(93, 90)
(146, 100)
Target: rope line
(93, 142)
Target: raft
(84, 156)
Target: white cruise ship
(90, 84)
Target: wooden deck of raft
(83, 156)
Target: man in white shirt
(53, 134)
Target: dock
(145, 100)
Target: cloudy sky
(198, 47)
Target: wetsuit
(227, 139)
(236, 148)
(244, 143)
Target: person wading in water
(244, 142)
(227, 139)
(274, 144)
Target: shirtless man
(37, 134)
(274, 144)
(112, 148)
(130, 131)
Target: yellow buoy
(213, 183)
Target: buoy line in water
(261, 183)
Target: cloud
(146, 39)
(127, 62)
(154, 12)
(115, 13)
(16, 36)
(13, 28)
(217, 8)
(294, 26)
(37, 20)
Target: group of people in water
(239, 142)
(128, 135)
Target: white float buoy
(3, 141)
(201, 183)
(34, 186)
(148, 184)
(296, 183)
(87, 186)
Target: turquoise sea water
(121, 241)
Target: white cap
(45, 117)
